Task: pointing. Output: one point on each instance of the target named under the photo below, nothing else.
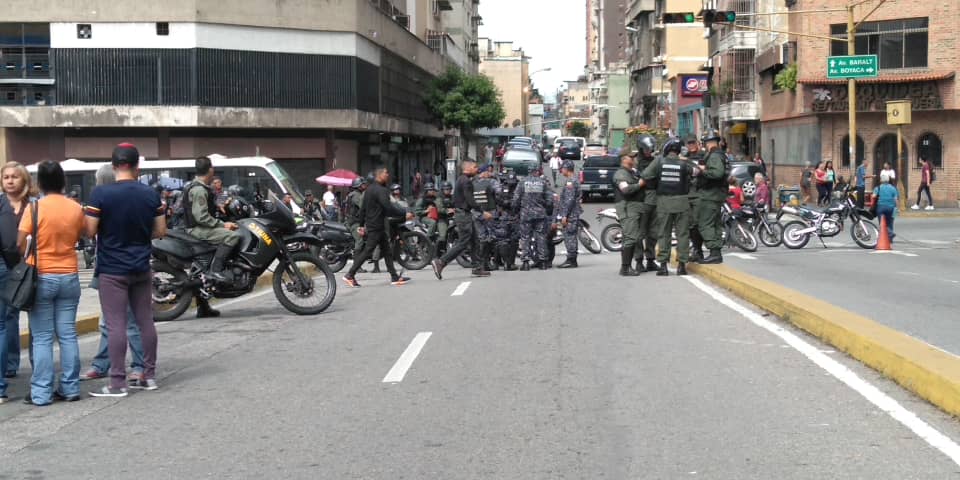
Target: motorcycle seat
(197, 246)
(336, 226)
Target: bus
(255, 174)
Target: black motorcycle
(412, 247)
(769, 232)
(302, 282)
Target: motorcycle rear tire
(792, 239)
(336, 263)
(588, 240)
(612, 237)
(184, 299)
(320, 266)
(771, 234)
(424, 250)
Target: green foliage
(579, 129)
(787, 78)
(466, 102)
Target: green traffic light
(731, 17)
(689, 18)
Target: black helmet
(238, 208)
(646, 144)
(357, 183)
(672, 146)
(395, 187)
(711, 135)
(446, 186)
(429, 187)
(236, 191)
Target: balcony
(636, 7)
(739, 111)
(440, 42)
(737, 40)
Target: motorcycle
(612, 235)
(736, 230)
(302, 282)
(769, 233)
(336, 246)
(830, 222)
(412, 247)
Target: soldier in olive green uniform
(629, 204)
(695, 156)
(672, 175)
(352, 217)
(713, 192)
(647, 146)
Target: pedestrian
(488, 153)
(831, 181)
(18, 189)
(860, 183)
(806, 182)
(649, 232)
(53, 238)
(485, 189)
(555, 164)
(926, 178)
(9, 224)
(329, 204)
(885, 197)
(569, 213)
(713, 192)
(534, 198)
(125, 216)
(501, 152)
(820, 176)
(672, 176)
(735, 194)
(202, 222)
(628, 195)
(352, 214)
(464, 204)
(761, 199)
(375, 211)
(417, 184)
(890, 172)
(695, 156)
(757, 159)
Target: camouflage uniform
(533, 197)
(485, 193)
(569, 208)
(506, 231)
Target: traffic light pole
(852, 87)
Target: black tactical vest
(189, 221)
(484, 195)
(674, 177)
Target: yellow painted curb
(923, 369)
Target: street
(556, 374)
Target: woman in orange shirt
(60, 222)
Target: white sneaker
(929, 207)
(915, 207)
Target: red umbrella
(338, 178)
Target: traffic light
(683, 17)
(718, 16)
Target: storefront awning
(904, 78)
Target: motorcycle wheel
(771, 234)
(304, 285)
(165, 308)
(588, 240)
(792, 238)
(866, 234)
(612, 237)
(334, 261)
(414, 250)
(744, 238)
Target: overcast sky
(553, 32)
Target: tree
(579, 129)
(465, 102)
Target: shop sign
(874, 97)
(693, 85)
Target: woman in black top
(17, 189)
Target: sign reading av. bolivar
(853, 66)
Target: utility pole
(852, 87)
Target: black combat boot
(479, 272)
(696, 253)
(216, 267)
(204, 310)
(525, 267)
(626, 260)
(662, 271)
(509, 260)
(570, 263)
(546, 265)
(652, 265)
(640, 268)
(681, 268)
(714, 258)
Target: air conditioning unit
(659, 59)
(403, 20)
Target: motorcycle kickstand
(822, 242)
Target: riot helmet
(646, 144)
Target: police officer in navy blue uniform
(569, 211)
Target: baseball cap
(568, 165)
(125, 154)
(691, 138)
(484, 168)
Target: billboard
(693, 85)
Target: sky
(552, 32)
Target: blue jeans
(101, 361)
(886, 211)
(54, 314)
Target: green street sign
(853, 66)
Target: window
(845, 151)
(163, 28)
(84, 31)
(930, 147)
(24, 50)
(897, 43)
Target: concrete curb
(91, 323)
(924, 214)
(927, 371)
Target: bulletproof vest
(533, 202)
(618, 196)
(695, 159)
(189, 221)
(642, 164)
(721, 183)
(353, 207)
(483, 194)
(674, 177)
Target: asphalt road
(525, 375)
(914, 289)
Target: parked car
(594, 150)
(596, 176)
(744, 172)
(521, 161)
(570, 148)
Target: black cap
(691, 138)
(125, 154)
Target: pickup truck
(596, 176)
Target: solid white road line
(745, 256)
(406, 359)
(460, 289)
(896, 252)
(881, 400)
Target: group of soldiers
(681, 190)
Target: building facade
(461, 22)
(316, 85)
(916, 44)
(509, 69)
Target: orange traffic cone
(883, 243)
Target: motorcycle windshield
(279, 214)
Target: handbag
(21, 287)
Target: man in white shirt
(330, 203)
(555, 163)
